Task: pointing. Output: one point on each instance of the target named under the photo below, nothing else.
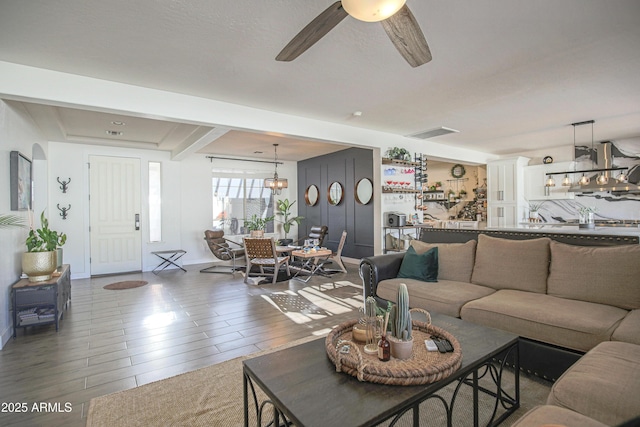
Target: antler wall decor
(63, 184)
(63, 211)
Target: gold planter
(257, 233)
(39, 265)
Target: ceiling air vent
(433, 132)
(114, 133)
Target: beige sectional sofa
(600, 389)
(566, 298)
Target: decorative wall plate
(547, 159)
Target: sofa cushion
(578, 325)
(455, 260)
(550, 415)
(422, 266)
(606, 275)
(444, 296)
(604, 384)
(629, 328)
(512, 264)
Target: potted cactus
(401, 339)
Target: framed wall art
(20, 182)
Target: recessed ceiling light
(114, 132)
(258, 152)
(118, 123)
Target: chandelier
(276, 184)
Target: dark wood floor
(115, 340)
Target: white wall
(71, 161)
(18, 133)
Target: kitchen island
(571, 234)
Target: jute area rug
(127, 284)
(213, 396)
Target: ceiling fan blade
(313, 32)
(406, 35)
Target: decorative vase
(257, 233)
(400, 349)
(39, 266)
(59, 257)
(586, 220)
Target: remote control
(447, 345)
(431, 345)
(441, 347)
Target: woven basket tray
(423, 367)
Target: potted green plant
(398, 153)
(401, 338)
(586, 217)
(40, 260)
(256, 225)
(284, 210)
(533, 211)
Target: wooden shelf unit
(50, 296)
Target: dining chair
(223, 249)
(262, 252)
(336, 257)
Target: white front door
(114, 192)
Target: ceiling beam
(200, 138)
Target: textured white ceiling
(511, 75)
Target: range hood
(606, 167)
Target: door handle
(137, 221)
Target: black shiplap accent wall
(347, 167)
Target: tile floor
(115, 340)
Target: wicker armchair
(262, 252)
(221, 248)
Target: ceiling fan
(396, 18)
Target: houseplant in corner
(284, 210)
(256, 225)
(401, 339)
(40, 260)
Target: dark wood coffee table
(304, 388)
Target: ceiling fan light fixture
(372, 10)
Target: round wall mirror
(335, 193)
(311, 195)
(364, 191)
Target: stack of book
(28, 316)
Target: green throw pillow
(420, 266)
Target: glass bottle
(384, 349)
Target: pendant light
(276, 184)
(584, 180)
(622, 178)
(566, 181)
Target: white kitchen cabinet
(535, 178)
(505, 192)
(504, 215)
